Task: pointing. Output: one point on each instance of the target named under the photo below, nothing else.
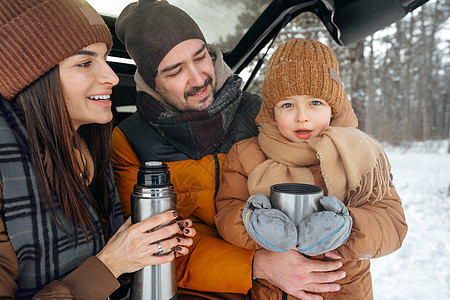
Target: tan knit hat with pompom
(300, 67)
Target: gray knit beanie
(150, 29)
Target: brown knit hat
(150, 29)
(37, 35)
(300, 67)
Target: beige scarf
(354, 166)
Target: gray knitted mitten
(324, 231)
(267, 226)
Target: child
(308, 135)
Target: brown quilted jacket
(378, 229)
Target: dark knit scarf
(194, 133)
(44, 250)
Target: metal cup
(296, 200)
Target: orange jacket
(229, 267)
(212, 265)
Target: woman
(58, 202)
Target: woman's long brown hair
(53, 140)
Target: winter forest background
(398, 79)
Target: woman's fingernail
(178, 248)
(178, 240)
(186, 230)
(186, 224)
(175, 213)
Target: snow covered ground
(421, 268)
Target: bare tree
(357, 83)
(370, 110)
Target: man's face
(186, 78)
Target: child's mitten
(324, 231)
(267, 226)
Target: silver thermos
(153, 194)
(296, 200)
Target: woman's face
(87, 82)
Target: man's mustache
(197, 89)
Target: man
(190, 111)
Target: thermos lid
(153, 174)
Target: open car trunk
(241, 28)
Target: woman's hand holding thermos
(133, 245)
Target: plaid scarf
(194, 133)
(45, 251)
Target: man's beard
(195, 90)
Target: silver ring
(160, 247)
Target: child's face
(300, 118)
